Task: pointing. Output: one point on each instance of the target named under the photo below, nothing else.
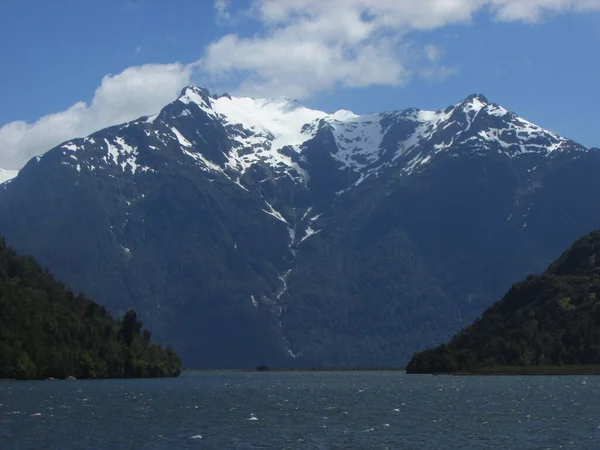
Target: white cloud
(304, 47)
(222, 9)
(299, 68)
(535, 10)
(311, 46)
(308, 46)
(420, 14)
(135, 92)
(433, 53)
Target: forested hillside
(48, 331)
(548, 320)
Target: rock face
(257, 231)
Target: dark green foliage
(47, 331)
(548, 320)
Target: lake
(303, 410)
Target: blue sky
(71, 67)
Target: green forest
(47, 331)
(550, 320)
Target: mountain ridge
(353, 243)
(244, 108)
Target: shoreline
(489, 371)
(528, 371)
(308, 369)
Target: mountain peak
(191, 89)
(476, 97)
(237, 132)
(343, 114)
(195, 94)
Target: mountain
(47, 331)
(551, 319)
(258, 231)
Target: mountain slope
(433, 250)
(547, 320)
(257, 231)
(47, 331)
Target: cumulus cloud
(304, 47)
(299, 68)
(535, 10)
(309, 46)
(135, 92)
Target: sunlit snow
(309, 232)
(281, 117)
(183, 141)
(272, 131)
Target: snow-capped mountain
(273, 132)
(249, 231)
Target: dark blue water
(303, 410)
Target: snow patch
(260, 128)
(70, 146)
(306, 213)
(309, 232)
(358, 138)
(121, 150)
(200, 158)
(497, 111)
(281, 118)
(344, 115)
(191, 96)
(182, 141)
(272, 212)
(283, 278)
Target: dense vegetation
(47, 331)
(548, 320)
